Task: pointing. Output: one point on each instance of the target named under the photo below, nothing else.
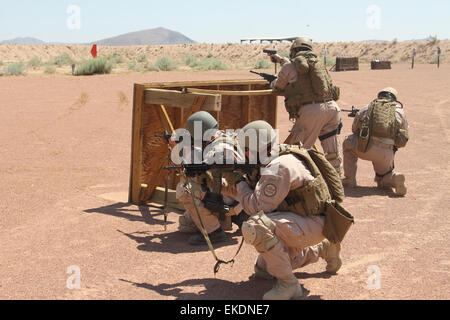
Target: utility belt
(315, 102)
(384, 142)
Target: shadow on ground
(216, 289)
(360, 192)
(148, 214)
(173, 242)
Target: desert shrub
(49, 69)
(432, 40)
(150, 67)
(1, 62)
(284, 54)
(35, 62)
(206, 64)
(142, 58)
(189, 60)
(165, 64)
(62, 60)
(94, 66)
(115, 58)
(135, 66)
(262, 64)
(15, 69)
(330, 61)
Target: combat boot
(330, 252)
(399, 184)
(285, 289)
(215, 237)
(262, 273)
(187, 225)
(349, 182)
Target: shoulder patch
(270, 190)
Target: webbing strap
(332, 133)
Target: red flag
(94, 51)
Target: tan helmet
(206, 119)
(265, 134)
(391, 91)
(302, 43)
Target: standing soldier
(379, 129)
(294, 205)
(310, 100)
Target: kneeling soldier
(294, 206)
(379, 130)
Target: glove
(233, 177)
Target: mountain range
(157, 36)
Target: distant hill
(158, 36)
(25, 40)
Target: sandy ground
(64, 172)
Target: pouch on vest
(319, 80)
(402, 138)
(293, 105)
(364, 138)
(337, 223)
(335, 93)
(330, 175)
(307, 200)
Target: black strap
(332, 133)
(384, 175)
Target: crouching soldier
(217, 145)
(379, 130)
(295, 213)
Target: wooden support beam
(233, 93)
(136, 143)
(173, 98)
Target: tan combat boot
(330, 252)
(262, 273)
(187, 225)
(399, 184)
(285, 289)
(349, 182)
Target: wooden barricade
(380, 65)
(167, 106)
(347, 63)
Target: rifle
(266, 76)
(353, 112)
(166, 136)
(194, 170)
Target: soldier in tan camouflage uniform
(310, 100)
(219, 145)
(288, 200)
(379, 129)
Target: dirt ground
(64, 172)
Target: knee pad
(259, 231)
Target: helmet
(265, 134)
(390, 91)
(302, 43)
(206, 119)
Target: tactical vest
(313, 83)
(313, 196)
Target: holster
(337, 223)
(364, 138)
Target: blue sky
(228, 20)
